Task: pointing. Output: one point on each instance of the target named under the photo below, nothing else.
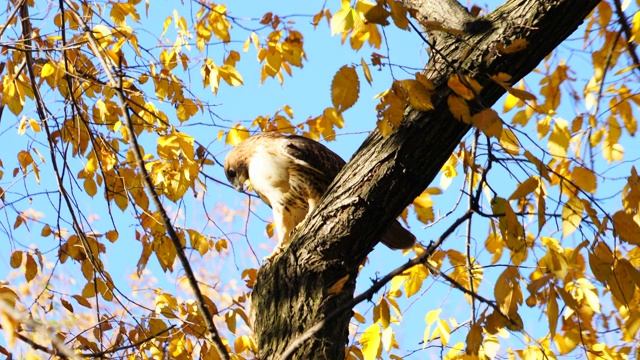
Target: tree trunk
(386, 174)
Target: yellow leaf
(388, 339)
(517, 45)
(338, 285)
(236, 134)
(509, 103)
(22, 126)
(431, 318)
(612, 151)
(419, 95)
(398, 14)
(489, 122)
(16, 259)
(509, 142)
(474, 339)
(345, 88)
(585, 179)
(186, 109)
(601, 262)
(343, 19)
(384, 314)
(466, 90)
(423, 205)
(559, 139)
(230, 320)
(415, 276)
(571, 216)
(112, 235)
(626, 227)
(525, 188)
(459, 109)
(90, 186)
(507, 291)
(624, 109)
(82, 301)
(48, 69)
(521, 94)
(270, 229)
(31, 268)
(370, 341)
(622, 283)
(552, 311)
(367, 72)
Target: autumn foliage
(111, 164)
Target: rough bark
(386, 174)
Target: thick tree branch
(387, 173)
(378, 284)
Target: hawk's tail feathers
(397, 237)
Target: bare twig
(631, 45)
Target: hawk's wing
(318, 157)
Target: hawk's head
(236, 167)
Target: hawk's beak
(239, 187)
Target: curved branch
(116, 84)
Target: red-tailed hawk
(290, 174)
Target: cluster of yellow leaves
(212, 74)
(360, 23)
(393, 102)
(280, 52)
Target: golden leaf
(509, 142)
(559, 139)
(552, 311)
(90, 186)
(16, 259)
(459, 109)
(585, 179)
(236, 134)
(571, 216)
(384, 314)
(112, 235)
(338, 285)
(398, 14)
(415, 276)
(419, 95)
(515, 46)
(82, 301)
(622, 284)
(489, 122)
(367, 72)
(370, 341)
(31, 268)
(525, 188)
(507, 291)
(423, 206)
(345, 88)
(343, 19)
(474, 339)
(67, 305)
(626, 227)
(466, 90)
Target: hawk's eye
(231, 173)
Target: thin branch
(296, 343)
(213, 334)
(631, 45)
